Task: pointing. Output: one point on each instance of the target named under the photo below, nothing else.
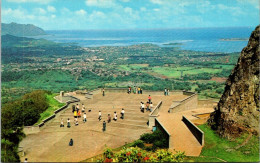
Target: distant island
(234, 39)
(173, 43)
(21, 29)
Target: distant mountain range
(21, 30)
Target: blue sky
(130, 14)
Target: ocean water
(196, 39)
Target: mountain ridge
(21, 29)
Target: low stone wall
(154, 114)
(35, 129)
(199, 135)
(188, 103)
(164, 131)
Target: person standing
(99, 115)
(104, 126)
(79, 114)
(61, 123)
(76, 122)
(103, 91)
(147, 105)
(71, 142)
(75, 114)
(77, 107)
(83, 108)
(26, 160)
(142, 107)
(151, 107)
(122, 114)
(108, 118)
(168, 92)
(115, 116)
(73, 108)
(139, 89)
(165, 91)
(85, 118)
(68, 123)
(149, 99)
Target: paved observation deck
(51, 143)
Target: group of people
(149, 105)
(166, 92)
(109, 118)
(136, 90)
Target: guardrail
(34, 129)
(199, 135)
(154, 114)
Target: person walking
(99, 115)
(84, 117)
(122, 113)
(115, 116)
(71, 142)
(68, 123)
(141, 91)
(108, 118)
(104, 126)
(61, 123)
(168, 92)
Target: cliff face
(238, 108)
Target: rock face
(238, 108)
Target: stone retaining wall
(199, 135)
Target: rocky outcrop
(238, 108)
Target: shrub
(138, 143)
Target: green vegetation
(219, 149)
(53, 105)
(24, 111)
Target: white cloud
(81, 12)
(254, 3)
(17, 14)
(40, 11)
(51, 9)
(157, 2)
(143, 9)
(31, 1)
(101, 3)
(53, 16)
(156, 9)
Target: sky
(130, 14)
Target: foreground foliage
(136, 154)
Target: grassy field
(53, 105)
(132, 67)
(176, 72)
(218, 149)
